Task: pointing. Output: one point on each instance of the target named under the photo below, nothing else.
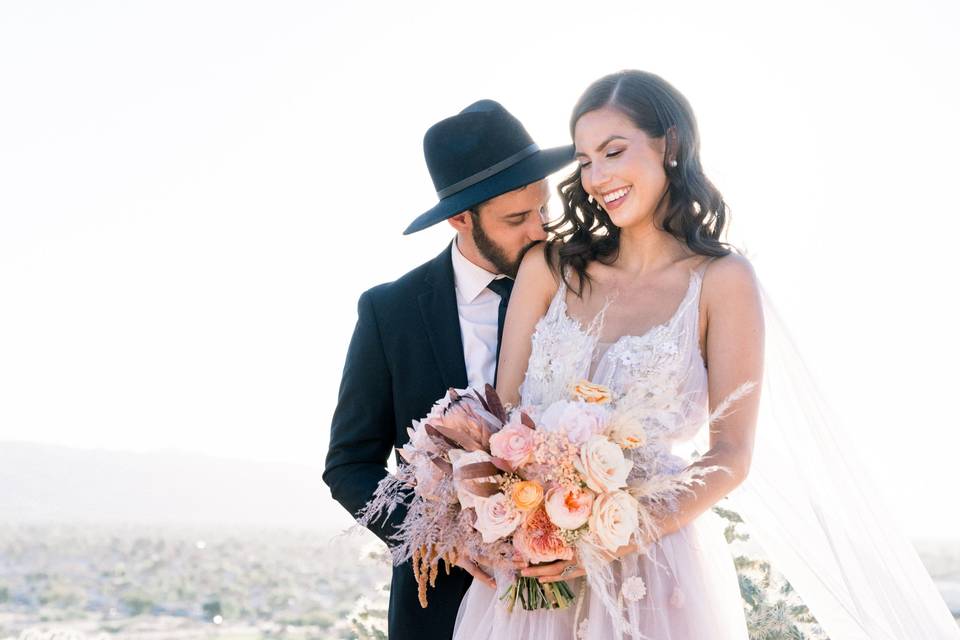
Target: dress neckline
(598, 319)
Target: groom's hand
(476, 571)
(481, 569)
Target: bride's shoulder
(729, 280)
(538, 275)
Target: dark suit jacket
(405, 353)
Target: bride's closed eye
(611, 154)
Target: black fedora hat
(479, 154)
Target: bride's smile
(621, 167)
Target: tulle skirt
(692, 593)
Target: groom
(439, 325)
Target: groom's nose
(535, 231)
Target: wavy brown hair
(695, 214)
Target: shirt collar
(469, 279)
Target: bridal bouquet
(533, 484)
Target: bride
(638, 292)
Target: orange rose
(592, 393)
(527, 495)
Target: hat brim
(536, 167)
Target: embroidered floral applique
(634, 589)
(653, 369)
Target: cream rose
(592, 393)
(569, 507)
(614, 519)
(496, 517)
(527, 495)
(513, 443)
(580, 421)
(629, 434)
(602, 465)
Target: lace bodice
(661, 372)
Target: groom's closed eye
(517, 219)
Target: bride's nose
(598, 177)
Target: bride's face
(620, 166)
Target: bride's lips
(615, 197)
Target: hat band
(506, 163)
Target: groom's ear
(462, 222)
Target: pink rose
(602, 465)
(538, 540)
(569, 507)
(614, 518)
(496, 517)
(579, 420)
(513, 443)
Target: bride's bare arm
(734, 351)
(532, 292)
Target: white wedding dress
(692, 589)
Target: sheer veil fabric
(810, 505)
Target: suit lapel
(438, 306)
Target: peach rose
(538, 541)
(569, 507)
(513, 443)
(592, 393)
(496, 517)
(614, 518)
(527, 495)
(602, 465)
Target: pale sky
(194, 194)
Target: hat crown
(476, 139)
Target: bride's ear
(672, 149)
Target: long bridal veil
(811, 508)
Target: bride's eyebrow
(603, 144)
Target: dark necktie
(502, 287)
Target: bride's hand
(569, 569)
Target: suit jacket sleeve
(363, 430)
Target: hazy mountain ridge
(43, 483)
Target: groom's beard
(495, 254)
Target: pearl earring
(673, 163)
(590, 199)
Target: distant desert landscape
(127, 546)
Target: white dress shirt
(477, 308)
